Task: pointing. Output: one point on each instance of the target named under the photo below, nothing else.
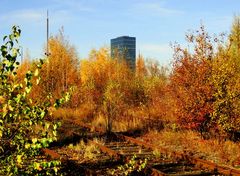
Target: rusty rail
(107, 150)
(226, 170)
(56, 156)
(119, 156)
(156, 172)
(52, 154)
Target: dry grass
(226, 152)
(86, 150)
(82, 113)
(132, 119)
(127, 125)
(66, 113)
(99, 121)
(120, 124)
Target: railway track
(118, 148)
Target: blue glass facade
(124, 47)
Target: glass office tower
(124, 48)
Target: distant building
(124, 47)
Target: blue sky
(92, 23)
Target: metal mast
(47, 53)
(47, 49)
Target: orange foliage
(23, 68)
(190, 82)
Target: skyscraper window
(124, 47)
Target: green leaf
(47, 125)
(21, 116)
(5, 37)
(44, 142)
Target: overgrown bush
(24, 129)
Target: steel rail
(226, 170)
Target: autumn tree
(112, 103)
(102, 77)
(141, 70)
(155, 86)
(138, 92)
(190, 81)
(226, 82)
(94, 73)
(61, 69)
(24, 66)
(100, 68)
(234, 36)
(24, 129)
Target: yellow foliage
(140, 67)
(60, 71)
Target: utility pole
(48, 54)
(47, 49)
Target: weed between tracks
(81, 152)
(132, 167)
(87, 150)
